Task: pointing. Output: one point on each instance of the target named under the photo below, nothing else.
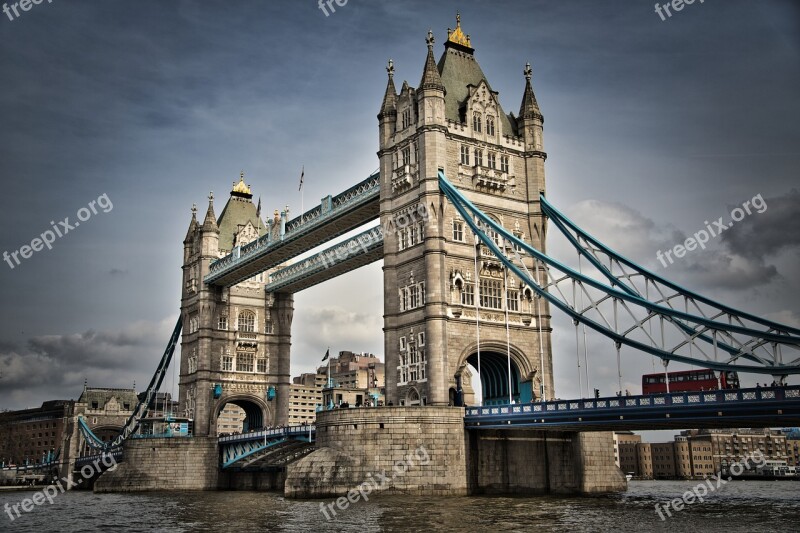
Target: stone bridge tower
(235, 345)
(454, 121)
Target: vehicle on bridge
(689, 380)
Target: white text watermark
(701, 238)
(49, 493)
(378, 482)
(48, 237)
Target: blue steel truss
(266, 448)
(625, 316)
(335, 216)
(142, 408)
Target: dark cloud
(55, 366)
(156, 103)
(770, 232)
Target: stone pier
(406, 450)
(514, 461)
(164, 464)
(413, 450)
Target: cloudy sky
(652, 127)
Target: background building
(305, 396)
(702, 453)
(28, 435)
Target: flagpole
(302, 195)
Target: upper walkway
(334, 216)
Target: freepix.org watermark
(700, 238)
(676, 5)
(24, 5)
(699, 492)
(329, 3)
(48, 237)
(49, 493)
(377, 482)
(409, 226)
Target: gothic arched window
(247, 321)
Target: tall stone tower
(235, 345)
(454, 121)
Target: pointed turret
(389, 105)
(210, 222)
(529, 108)
(387, 118)
(431, 92)
(192, 226)
(431, 79)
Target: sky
(133, 111)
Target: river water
(745, 506)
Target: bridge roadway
(358, 251)
(759, 407)
(335, 216)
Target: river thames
(737, 506)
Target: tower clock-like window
(247, 321)
(244, 362)
(491, 293)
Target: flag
(302, 173)
(327, 354)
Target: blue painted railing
(617, 407)
(291, 431)
(329, 209)
(361, 244)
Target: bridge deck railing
(329, 209)
(291, 431)
(729, 396)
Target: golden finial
(457, 36)
(241, 187)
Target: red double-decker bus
(689, 380)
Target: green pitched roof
(459, 69)
(237, 212)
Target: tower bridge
(472, 284)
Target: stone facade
(421, 451)
(427, 451)
(235, 344)
(164, 464)
(515, 461)
(454, 121)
